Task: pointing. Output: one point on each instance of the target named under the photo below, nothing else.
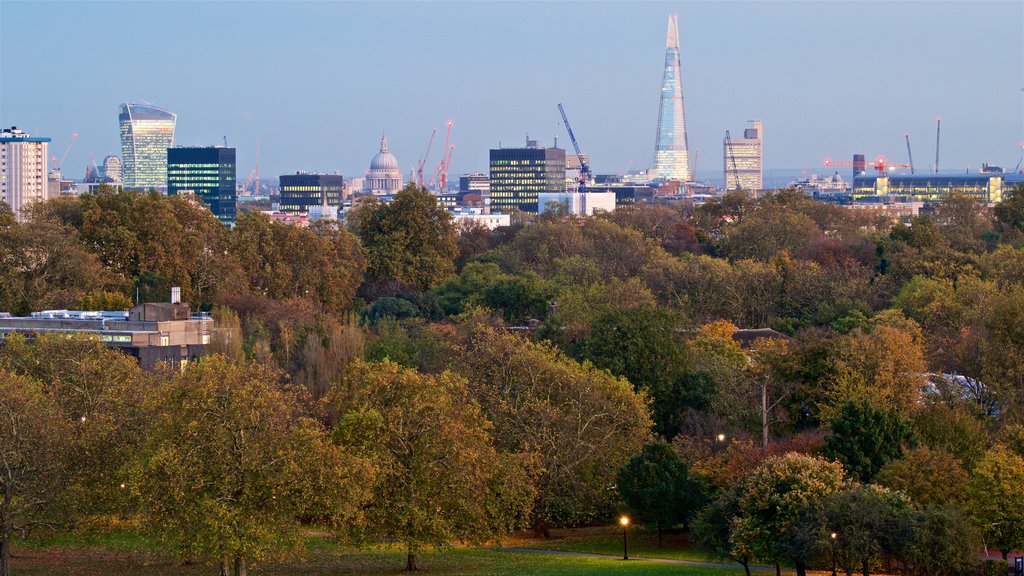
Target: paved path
(642, 558)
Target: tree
(859, 516)
(227, 334)
(1010, 212)
(865, 438)
(231, 465)
(997, 498)
(411, 242)
(775, 495)
(930, 477)
(656, 486)
(582, 421)
(36, 449)
(439, 477)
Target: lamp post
(625, 549)
(833, 535)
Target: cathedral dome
(383, 177)
(384, 160)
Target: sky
(316, 83)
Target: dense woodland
(397, 378)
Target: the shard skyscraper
(671, 151)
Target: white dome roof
(384, 160)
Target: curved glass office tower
(146, 134)
(671, 151)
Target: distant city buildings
(743, 162)
(476, 182)
(303, 190)
(111, 168)
(383, 177)
(519, 175)
(986, 187)
(671, 150)
(207, 172)
(146, 134)
(577, 203)
(23, 169)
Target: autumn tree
(930, 477)
(656, 486)
(36, 449)
(231, 464)
(860, 518)
(775, 495)
(583, 422)
(996, 492)
(439, 477)
(411, 242)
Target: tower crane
(57, 165)
(909, 155)
(938, 128)
(584, 168)
(423, 160)
(732, 155)
(441, 174)
(881, 165)
(1017, 169)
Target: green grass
(124, 554)
(608, 540)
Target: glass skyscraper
(671, 150)
(208, 173)
(146, 134)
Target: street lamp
(833, 535)
(625, 549)
(721, 437)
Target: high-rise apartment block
(146, 134)
(671, 149)
(23, 171)
(743, 160)
(206, 172)
(302, 190)
(518, 175)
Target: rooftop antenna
(225, 141)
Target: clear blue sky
(317, 82)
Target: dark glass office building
(518, 175)
(301, 190)
(208, 173)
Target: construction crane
(910, 156)
(1017, 169)
(731, 152)
(938, 127)
(584, 169)
(881, 165)
(441, 174)
(57, 165)
(423, 159)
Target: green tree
(411, 242)
(231, 465)
(859, 516)
(439, 477)
(36, 447)
(656, 486)
(864, 438)
(1010, 212)
(774, 497)
(996, 496)
(582, 421)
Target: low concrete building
(153, 333)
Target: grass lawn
(608, 540)
(125, 554)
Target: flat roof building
(23, 169)
(743, 161)
(518, 175)
(303, 190)
(931, 187)
(208, 173)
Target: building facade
(146, 134)
(578, 203)
(743, 160)
(303, 190)
(383, 177)
(671, 149)
(207, 172)
(931, 187)
(111, 168)
(519, 175)
(23, 169)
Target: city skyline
(828, 80)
